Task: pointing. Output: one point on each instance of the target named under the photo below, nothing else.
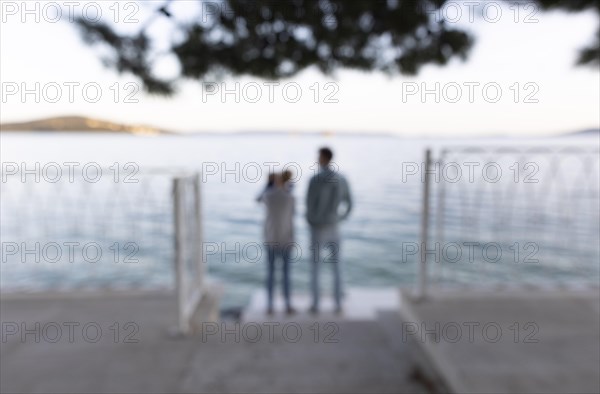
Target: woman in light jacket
(279, 235)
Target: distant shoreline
(83, 125)
(580, 134)
(79, 124)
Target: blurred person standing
(278, 235)
(328, 202)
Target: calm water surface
(385, 220)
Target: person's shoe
(313, 310)
(290, 311)
(338, 310)
(270, 311)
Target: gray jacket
(327, 191)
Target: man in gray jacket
(328, 202)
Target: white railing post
(178, 221)
(199, 233)
(422, 277)
(189, 265)
(440, 205)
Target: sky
(519, 80)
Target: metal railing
(136, 230)
(505, 217)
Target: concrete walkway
(360, 304)
(512, 342)
(134, 352)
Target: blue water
(559, 214)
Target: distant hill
(587, 133)
(80, 123)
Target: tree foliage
(275, 39)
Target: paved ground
(555, 348)
(360, 304)
(303, 354)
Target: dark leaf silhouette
(276, 39)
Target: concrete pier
(520, 341)
(385, 341)
(135, 352)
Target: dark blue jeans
(272, 253)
